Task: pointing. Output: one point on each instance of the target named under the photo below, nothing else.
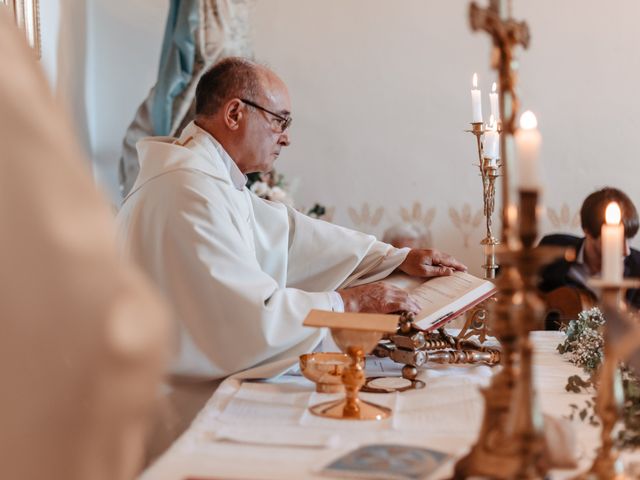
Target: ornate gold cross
(507, 34)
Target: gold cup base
(365, 411)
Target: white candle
(512, 214)
(492, 142)
(612, 237)
(476, 100)
(493, 99)
(528, 141)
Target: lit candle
(528, 141)
(476, 100)
(512, 214)
(492, 142)
(612, 237)
(493, 99)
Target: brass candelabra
(477, 319)
(506, 34)
(610, 396)
(489, 172)
(511, 441)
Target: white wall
(49, 28)
(101, 59)
(381, 99)
(380, 91)
(126, 37)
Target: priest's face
(265, 127)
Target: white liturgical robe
(240, 272)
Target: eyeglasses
(284, 122)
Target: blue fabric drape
(176, 62)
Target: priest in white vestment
(82, 335)
(241, 272)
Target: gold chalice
(356, 334)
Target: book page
(444, 298)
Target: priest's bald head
(246, 107)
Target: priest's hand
(430, 263)
(378, 298)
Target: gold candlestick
(476, 323)
(526, 425)
(506, 34)
(489, 172)
(511, 442)
(610, 396)
(488, 456)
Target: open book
(444, 298)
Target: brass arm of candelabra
(476, 324)
(610, 397)
(511, 441)
(489, 172)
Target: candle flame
(528, 120)
(492, 123)
(512, 214)
(475, 80)
(612, 214)
(493, 87)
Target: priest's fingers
(400, 302)
(437, 271)
(415, 262)
(430, 263)
(444, 259)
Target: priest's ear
(234, 111)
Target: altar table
(263, 430)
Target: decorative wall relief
(562, 219)
(465, 222)
(421, 219)
(27, 16)
(364, 219)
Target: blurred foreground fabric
(82, 336)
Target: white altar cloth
(263, 430)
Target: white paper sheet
(265, 404)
